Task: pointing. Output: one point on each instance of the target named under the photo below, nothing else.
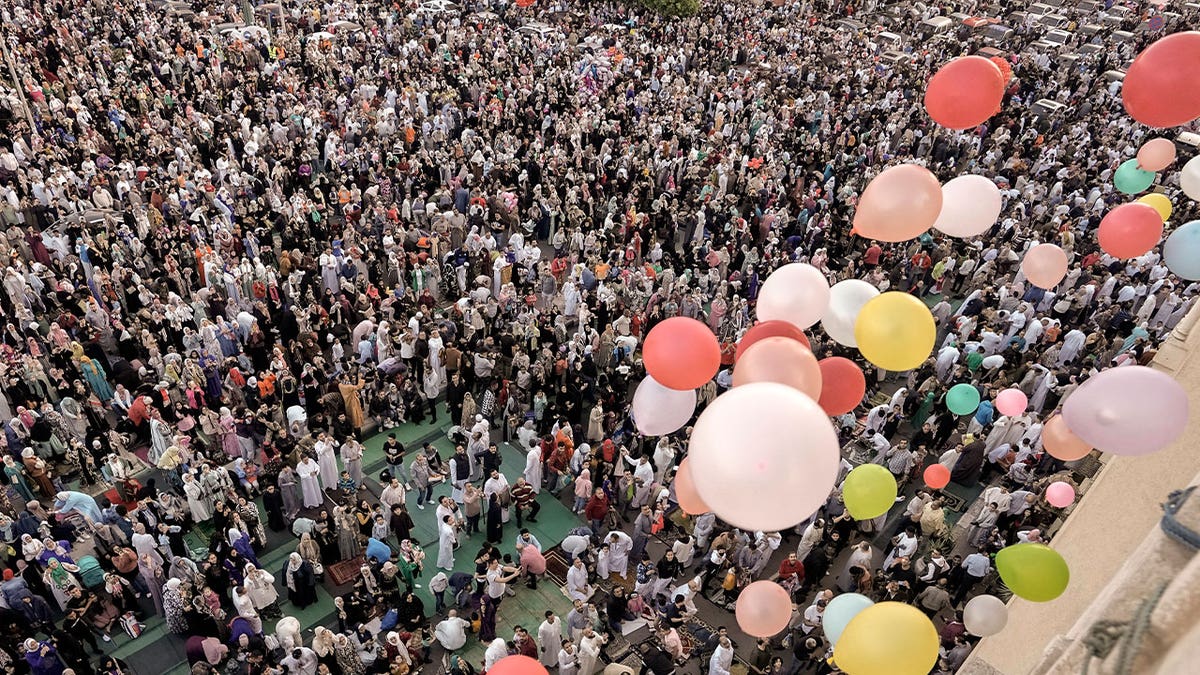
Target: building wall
(1110, 541)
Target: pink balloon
(1156, 154)
(1044, 265)
(782, 360)
(658, 410)
(1060, 494)
(1011, 402)
(797, 293)
(898, 204)
(1130, 410)
(763, 609)
(970, 206)
(764, 456)
(1130, 230)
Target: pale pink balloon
(797, 293)
(764, 456)
(898, 204)
(970, 206)
(1156, 154)
(782, 360)
(658, 410)
(1044, 265)
(1011, 402)
(1060, 494)
(1130, 410)
(763, 609)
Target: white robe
(577, 585)
(327, 461)
(566, 662)
(446, 540)
(618, 553)
(720, 662)
(533, 469)
(550, 637)
(311, 489)
(589, 653)
(199, 505)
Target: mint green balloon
(1033, 571)
(869, 491)
(839, 612)
(1131, 178)
(962, 399)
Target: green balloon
(1131, 178)
(962, 399)
(1033, 571)
(869, 491)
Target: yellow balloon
(1160, 202)
(895, 331)
(887, 638)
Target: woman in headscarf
(411, 612)
(287, 483)
(39, 471)
(324, 645)
(198, 502)
(96, 378)
(31, 548)
(60, 579)
(152, 575)
(347, 537)
(495, 519)
(301, 584)
(175, 607)
(248, 511)
(347, 656)
(42, 658)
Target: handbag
(130, 623)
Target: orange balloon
(1006, 73)
(685, 491)
(1130, 230)
(771, 328)
(899, 204)
(1162, 86)
(1061, 442)
(782, 360)
(843, 385)
(965, 92)
(936, 476)
(681, 353)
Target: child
(347, 485)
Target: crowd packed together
(231, 257)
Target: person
(451, 632)
(300, 581)
(722, 658)
(577, 586)
(589, 650)
(568, 659)
(308, 471)
(447, 539)
(550, 639)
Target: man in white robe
(722, 658)
(308, 470)
(550, 637)
(577, 585)
(619, 546)
(451, 632)
(533, 466)
(589, 651)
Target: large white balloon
(985, 615)
(846, 298)
(970, 206)
(797, 293)
(764, 456)
(658, 410)
(1189, 178)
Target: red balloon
(843, 385)
(1162, 87)
(517, 665)
(525, 3)
(936, 476)
(681, 353)
(766, 329)
(965, 92)
(1006, 72)
(1130, 230)
(685, 491)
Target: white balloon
(970, 206)
(1189, 178)
(846, 298)
(658, 410)
(797, 293)
(764, 456)
(985, 615)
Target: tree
(673, 7)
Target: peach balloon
(685, 491)
(1044, 265)
(1156, 154)
(898, 204)
(1060, 442)
(763, 609)
(782, 360)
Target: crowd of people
(231, 257)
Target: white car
(539, 30)
(438, 7)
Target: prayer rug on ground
(344, 572)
